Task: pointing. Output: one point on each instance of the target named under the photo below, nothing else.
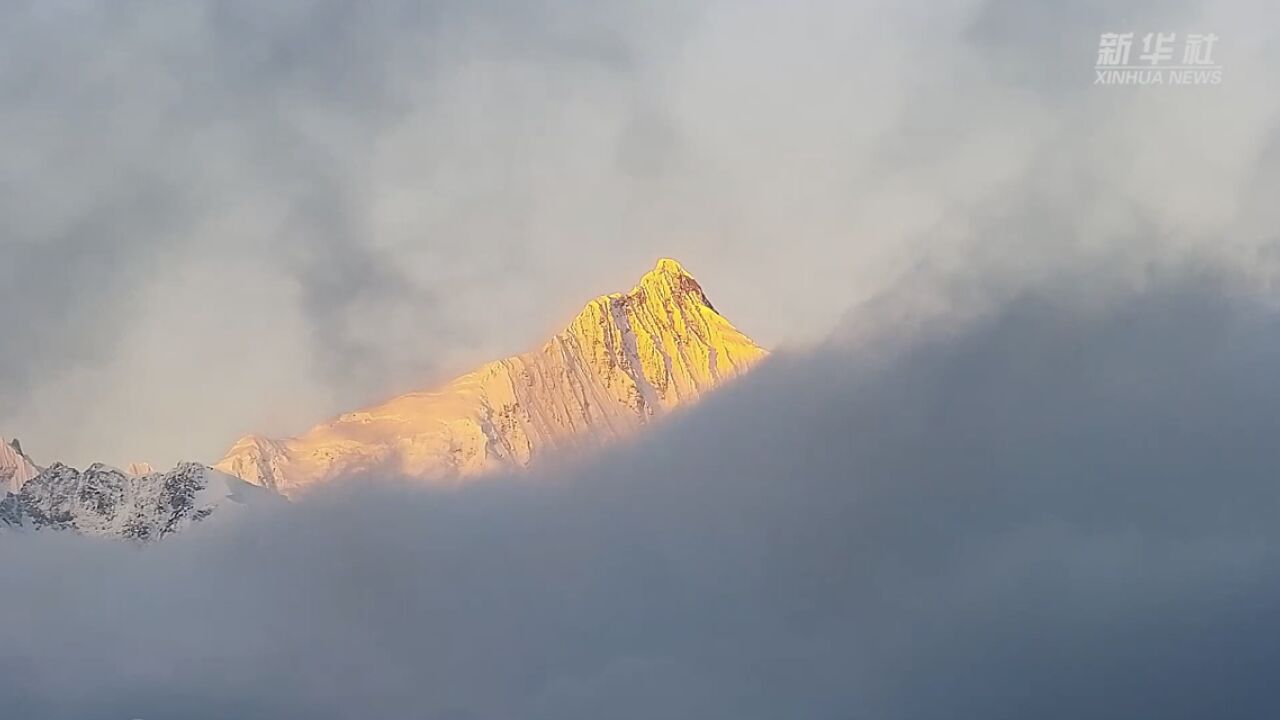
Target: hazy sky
(231, 217)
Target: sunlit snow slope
(626, 359)
(15, 467)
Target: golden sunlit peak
(669, 266)
(625, 360)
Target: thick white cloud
(1061, 504)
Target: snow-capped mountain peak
(15, 467)
(626, 359)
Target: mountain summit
(15, 467)
(625, 360)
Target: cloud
(1059, 504)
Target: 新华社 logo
(1158, 58)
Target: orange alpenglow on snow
(15, 467)
(625, 360)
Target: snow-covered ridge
(625, 360)
(107, 502)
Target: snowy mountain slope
(106, 502)
(625, 360)
(15, 467)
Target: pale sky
(233, 217)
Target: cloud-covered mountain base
(1059, 509)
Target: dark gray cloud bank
(1059, 505)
